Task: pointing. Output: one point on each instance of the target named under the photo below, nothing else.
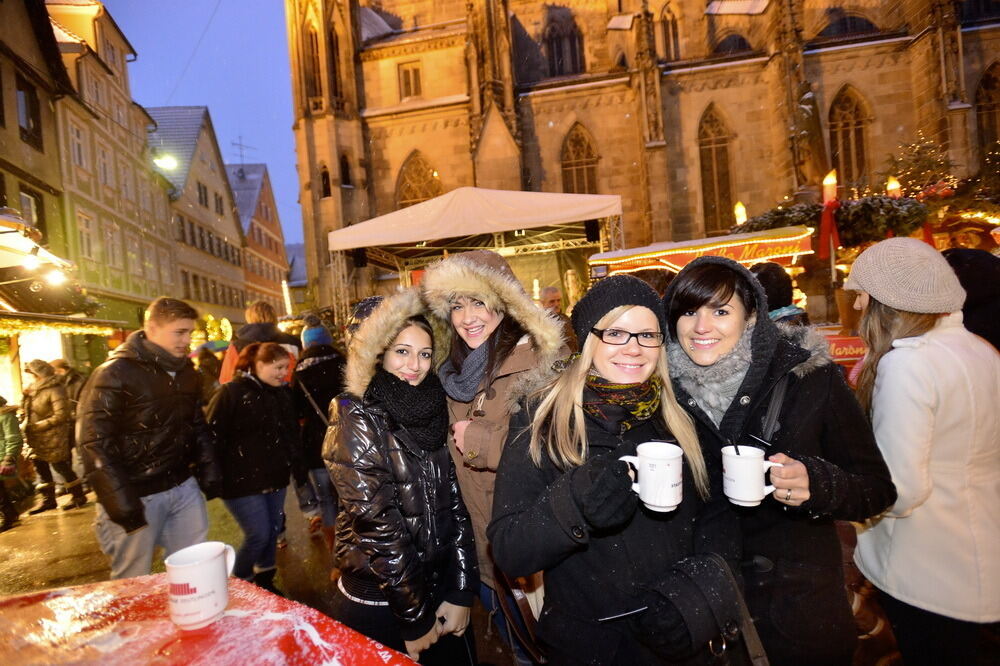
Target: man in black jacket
(145, 442)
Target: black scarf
(619, 407)
(163, 358)
(421, 410)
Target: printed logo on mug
(659, 479)
(743, 475)
(198, 583)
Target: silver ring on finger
(788, 495)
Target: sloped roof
(246, 181)
(177, 131)
(296, 253)
(373, 26)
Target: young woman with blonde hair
(564, 502)
(930, 387)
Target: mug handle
(634, 461)
(768, 465)
(230, 560)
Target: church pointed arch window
(579, 162)
(563, 46)
(988, 111)
(336, 86)
(669, 35)
(418, 181)
(731, 45)
(325, 187)
(714, 140)
(849, 141)
(843, 26)
(310, 63)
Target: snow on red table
(128, 622)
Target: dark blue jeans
(260, 517)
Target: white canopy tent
(469, 211)
(468, 218)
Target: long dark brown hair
(501, 343)
(880, 325)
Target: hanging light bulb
(55, 277)
(31, 261)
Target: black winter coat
(320, 372)
(263, 332)
(538, 526)
(142, 431)
(257, 436)
(402, 526)
(795, 587)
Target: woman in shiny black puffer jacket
(404, 540)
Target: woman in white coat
(931, 388)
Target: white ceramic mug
(743, 475)
(659, 479)
(198, 583)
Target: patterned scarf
(619, 407)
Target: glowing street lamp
(740, 212)
(165, 161)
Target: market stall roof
(12, 323)
(19, 240)
(750, 248)
(469, 211)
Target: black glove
(604, 492)
(661, 628)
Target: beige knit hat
(907, 274)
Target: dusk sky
(228, 55)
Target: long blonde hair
(558, 428)
(880, 325)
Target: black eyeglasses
(616, 336)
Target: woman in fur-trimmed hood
(728, 360)
(500, 341)
(404, 539)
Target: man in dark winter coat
(144, 439)
(318, 379)
(73, 382)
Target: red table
(128, 622)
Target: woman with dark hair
(751, 383)
(930, 386)
(564, 501)
(500, 338)
(257, 435)
(404, 539)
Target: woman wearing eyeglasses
(564, 502)
(730, 365)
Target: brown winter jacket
(486, 276)
(47, 419)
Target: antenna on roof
(242, 146)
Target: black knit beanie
(608, 294)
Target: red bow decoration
(828, 229)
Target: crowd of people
(473, 443)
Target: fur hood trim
(378, 331)
(811, 340)
(486, 276)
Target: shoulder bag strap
(773, 408)
(520, 619)
(319, 412)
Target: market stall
(515, 224)
(127, 622)
(782, 245)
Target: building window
(345, 172)
(29, 114)
(563, 46)
(202, 194)
(418, 181)
(181, 226)
(78, 147)
(32, 208)
(579, 162)
(126, 182)
(86, 229)
(974, 11)
(988, 112)
(195, 287)
(732, 44)
(113, 245)
(311, 69)
(166, 272)
(149, 261)
(324, 184)
(185, 284)
(335, 89)
(845, 26)
(668, 34)
(220, 206)
(409, 81)
(3, 189)
(104, 172)
(716, 182)
(201, 238)
(133, 252)
(848, 145)
(3, 119)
